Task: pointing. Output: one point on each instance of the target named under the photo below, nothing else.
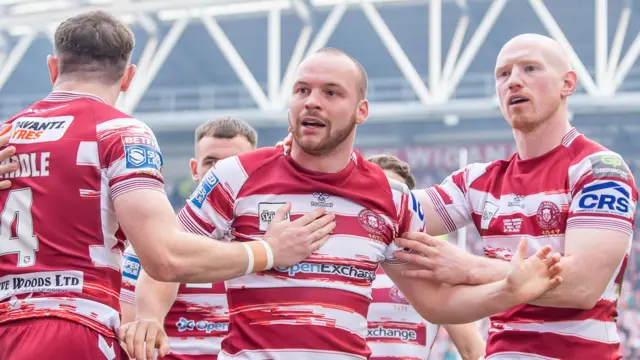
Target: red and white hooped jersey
(395, 329)
(196, 322)
(317, 308)
(60, 242)
(579, 184)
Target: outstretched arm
(446, 304)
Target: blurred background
(430, 66)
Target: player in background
(197, 318)
(560, 189)
(89, 174)
(318, 308)
(396, 330)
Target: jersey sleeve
(410, 217)
(209, 211)
(603, 192)
(130, 155)
(130, 273)
(450, 199)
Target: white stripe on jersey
(248, 205)
(122, 123)
(512, 355)
(386, 349)
(95, 311)
(387, 312)
(350, 247)
(335, 318)
(195, 345)
(212, 301)
(531, 202)
(534, 243)
(265, 280)
(88, 154)
(589, 329)
(289, 355)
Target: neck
(543, 138)
(330, 163)
(105, 93)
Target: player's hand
(286, 143)
(6, 153)
(137, 334)
(293, 241)
(529, 278)
(434, 259)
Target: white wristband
(251, 259)
(267, 247)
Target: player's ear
(52, 65)
(362, 111)
(194, 170)
(129, 73)
(569, 84)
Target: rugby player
(88, 177)
(317, 308)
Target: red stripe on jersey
(397, 332)
(439, 206)
(551, 345)
(221, 201)
(246, 299)
(248, 225)
(604, 311)
(529, 225)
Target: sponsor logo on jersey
(548, 215)
(415, 206)
(138, 140)
(517, 201)
(45, 281)
(328, 269)
(30, 130)
(396, 295)
(143, 157)
(384, 332)
(609, 166)
(372, 222)
(605, 198)
(321, 200)
(131, 267)
(202, 325)
(205, 186)
(266, 213)
(490, 210)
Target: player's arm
(441, 303)
(446, 304)
(447, 208)
(467, 340)
(131, 161)
(599, 232)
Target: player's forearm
(467, 340)
(195, 259)
(154, 298)
(577, 291)
(462, 304)
(485, 270)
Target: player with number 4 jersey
(88, 174)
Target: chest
(361, 232)
(505, 211)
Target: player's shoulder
(589, 156)
(474, 171)
(254, 160)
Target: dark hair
(94, 45)
(392, 163)
(227, 128)
(364, 79)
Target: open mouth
(517, 100)
(312, 123)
